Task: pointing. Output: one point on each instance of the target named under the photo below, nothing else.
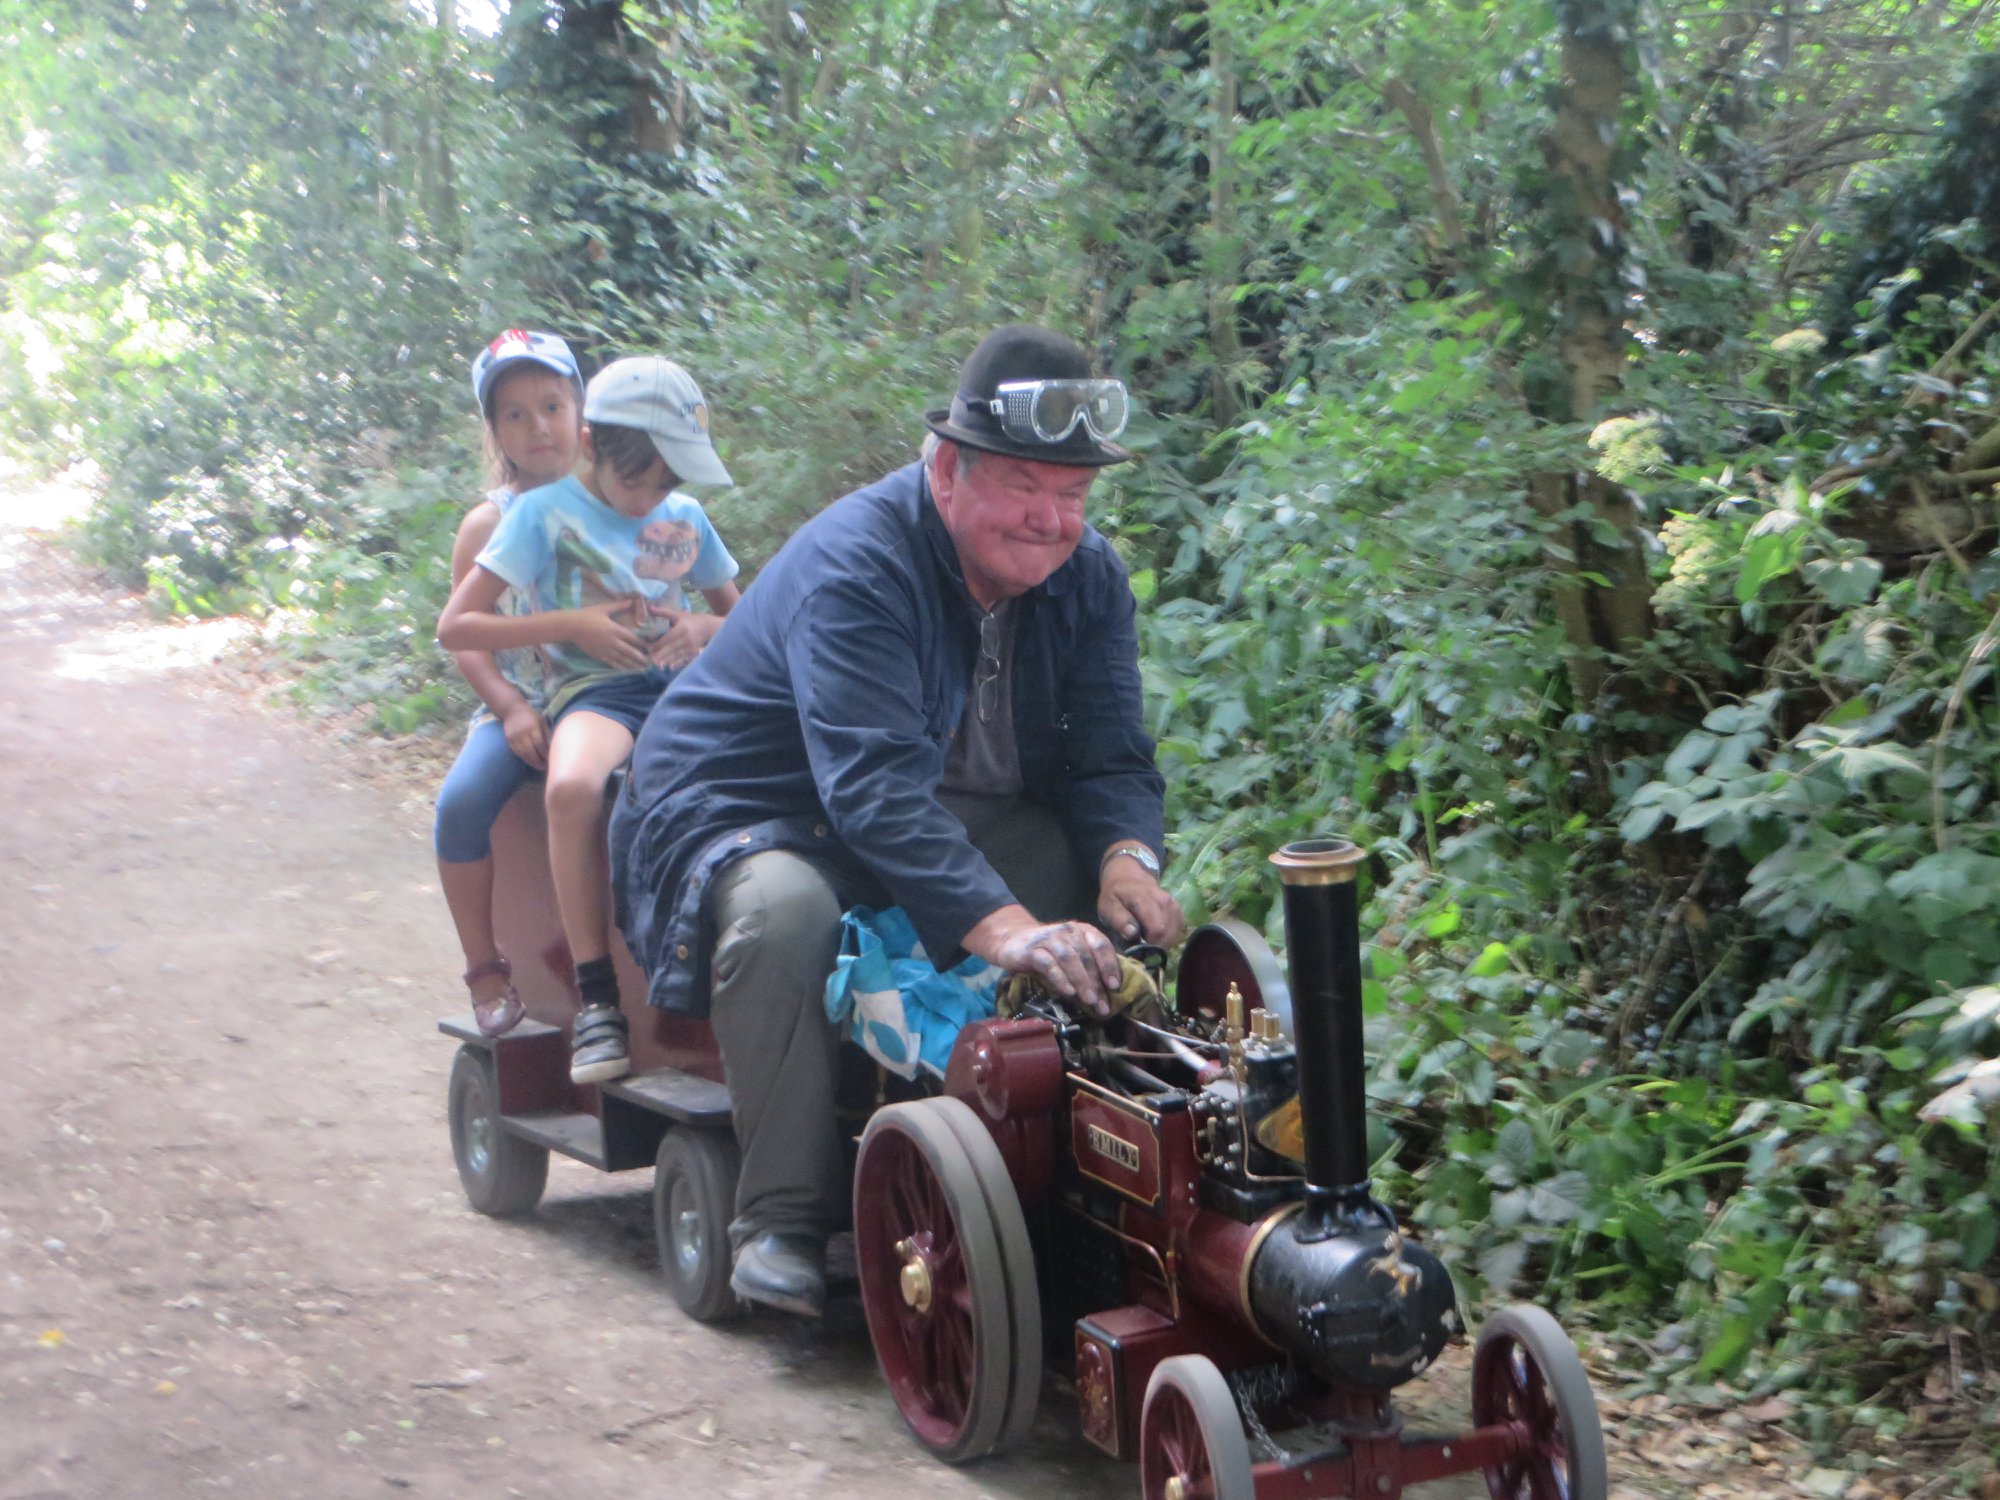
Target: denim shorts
(626, 698)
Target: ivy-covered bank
(1569, 460)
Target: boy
(604, 555)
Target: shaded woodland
(1569, 469)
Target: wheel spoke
(906, 1196)
(1545, 1482)
(1194, 1451)
(1540, 1409)
(931, 1360)
(955, 1335)
(952, 1388)
(930, 1201)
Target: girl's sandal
(501, 1014)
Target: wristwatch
(1146, 859)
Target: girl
(605, 554)
(530, 398)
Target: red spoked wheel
(1191, 1442)
(935, 1288)
(1017, 1262)
(1526, 1371)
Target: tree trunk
(863, 176)
(441, 203)
(968, 225)
(1586, 250)
(1224, 247)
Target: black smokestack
(1323, 954)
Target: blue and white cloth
(894, 1002)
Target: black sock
(597, 982)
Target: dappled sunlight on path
(98, 637)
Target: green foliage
(194, 300)
(1677, 929)
(361, 600)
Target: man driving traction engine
(929, 698)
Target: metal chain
(1264, 1385)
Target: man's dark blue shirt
(819, 717)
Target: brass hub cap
(1176, 1488)
(915, 1279)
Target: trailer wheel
(930, 1254)
(1526, 1371)
(1191, 1440)
(694, 1196)
(502, 1174)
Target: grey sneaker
(597, 1045)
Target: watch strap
(1145, 858)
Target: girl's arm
(478, 667)
(527, 731)
(469, 624)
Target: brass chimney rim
(1319, 862)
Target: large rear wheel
(1191, 1442)
(931, 1255)
(1017, 1261)
(1526, 1371)
(502, 1174)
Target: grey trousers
(777, 923)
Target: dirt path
(233, 1251)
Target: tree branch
(1055, 89)
(1965, 340)
(1402, 98)
(1641, 995)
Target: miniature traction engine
(1186, 1186)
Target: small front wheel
(1191, 1441)
(694, 1196)
(1525, 1371)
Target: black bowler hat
(1020, 351)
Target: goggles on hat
(1047, 411)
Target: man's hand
(596, 630)
(685, 635)
(527, 734)
(1133, 904)
(1072, 958)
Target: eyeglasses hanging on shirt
(986, 679)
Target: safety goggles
(1047, 411)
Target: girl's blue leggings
(485, 775)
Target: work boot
(597, 1045)
(785, 1271)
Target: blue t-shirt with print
(563, 548)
